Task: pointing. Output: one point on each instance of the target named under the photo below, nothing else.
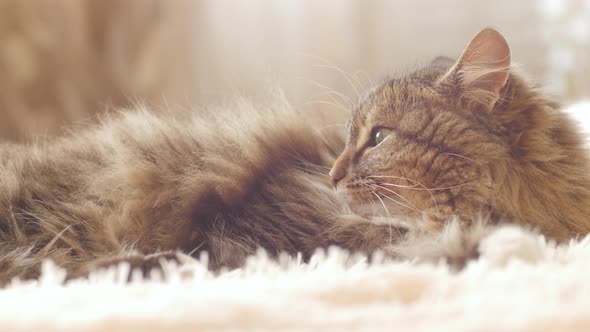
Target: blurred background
(64, 61)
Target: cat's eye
(378, 135)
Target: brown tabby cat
(465, 140)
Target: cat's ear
(482, 71)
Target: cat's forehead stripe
(369, 121)
(396, 94)
(362, 119)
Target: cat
(466, 138)
(431, 163)
(226, 181)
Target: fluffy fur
(470, 140)
(228, 182)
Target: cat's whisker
(418, 183)
(331, 94)
(414, 181)
(393, 192)
(340, 104)
(332, 91)
(401, 204)
(373, 203)
(394, 177)
(325, 102)
(424, 189)
(389, 219)
(366, 76)
(348, 77)
(333, 126)
(192, 252)
(398, 185)
(330, 65)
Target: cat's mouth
(354, 190)
(368, 195)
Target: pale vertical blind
(62, 61)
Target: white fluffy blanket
(520, 283)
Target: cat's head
(428, 144)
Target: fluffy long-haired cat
(465, 140)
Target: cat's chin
(358, 206)
(376, 209)
(365, 207)
(370, 209)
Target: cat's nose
(340, 168)
(338, 171)
(336, 176)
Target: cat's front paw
(455, 243)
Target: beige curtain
(63, 60)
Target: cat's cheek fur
(477, 137)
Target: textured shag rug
(520, 283)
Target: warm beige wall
(61, 61)
(241, 44)
(194, 52)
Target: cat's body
(226, 183)
(231, 180)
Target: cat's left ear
(482, 71)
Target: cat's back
(143, 177)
